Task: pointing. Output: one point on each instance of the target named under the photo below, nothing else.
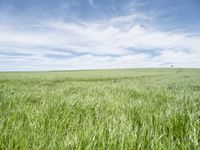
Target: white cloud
(92, 3)
(93, 45)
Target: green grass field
(101, 109)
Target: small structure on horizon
(172, 66)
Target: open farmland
(100, 109)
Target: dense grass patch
(102, 109)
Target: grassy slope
(105, 109)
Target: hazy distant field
(102, 109)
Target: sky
(98, 34)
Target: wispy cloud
(117, 42)
(92, 3)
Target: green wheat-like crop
(101, 109)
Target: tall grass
(106, 109)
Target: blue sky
(94, 34)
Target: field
(100, 109)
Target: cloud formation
(118, 42)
